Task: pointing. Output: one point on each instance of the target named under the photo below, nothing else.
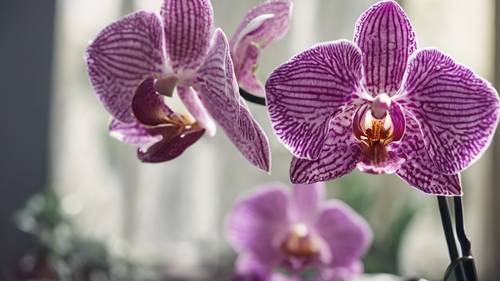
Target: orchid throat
(375, 128)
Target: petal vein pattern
(339, 155)
(385, 36)
(121, 56)
(219, 93)
(305, 92)
(188, 28)
(418, 170)
(457, 110)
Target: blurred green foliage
(363, 197)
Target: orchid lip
(373, 126)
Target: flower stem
(450, 237)
(252, 98)
(469, 266)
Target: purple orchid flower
(274, 229)
(382, 106)
(260, 27)
(139, 60)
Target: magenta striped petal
(121, 56)
(219, 93)
(385, 36)
(306, 92)
(457, 110)
(256, 221)
(339, 156)
(347, 234)
(194, 105)
(261, 26)
(134, 133)
(418, 170)
(188, 26)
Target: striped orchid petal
(194, 105)
(340, 154)
(219, 93)
(188, 26)
(134, 133)
(418, 170)
(261, 26)
(385, 36)
(122, 55)
(306, 92)
(457, 110)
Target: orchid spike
(273, 229)
(136, 63)
(260, 27)
(383, 106)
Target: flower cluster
(377, 103)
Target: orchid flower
(296, 231)
(383, 106)
(139, 60)
(260, 27)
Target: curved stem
(450, 237)
(470, 267)
(252, 98)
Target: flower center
(374, 127)
(300, 243)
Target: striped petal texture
(419, 170)
(457, 110)
(122, 55)
(304, 93)
(261, 26)
(385, 36)
(134, 133)
(219, 93)
(339, 156)
(188, 29)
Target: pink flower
(273, 228)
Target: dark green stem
(252, 98)
(469, 266)
(450, 237)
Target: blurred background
(76, 200)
